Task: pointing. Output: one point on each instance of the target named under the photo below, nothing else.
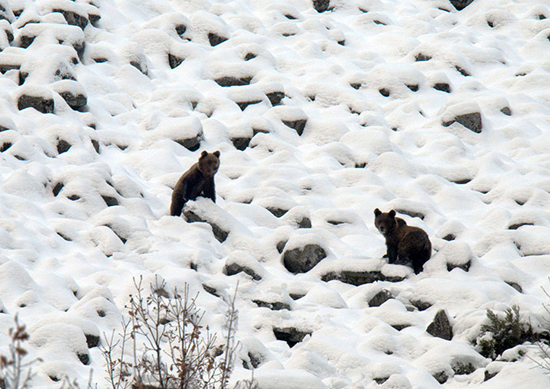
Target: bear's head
(209, 163)
(385, 221)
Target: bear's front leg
(392, 253)
(210, 190)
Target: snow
(365, 80)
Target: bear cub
(405, 243)
(197, 181)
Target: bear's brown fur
(404, 243)
(197, 181)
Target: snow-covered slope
(321, 116)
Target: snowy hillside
(322, 112)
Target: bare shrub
(14, 372)
(169, 346)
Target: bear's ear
(392, 213)
(377, 212)
(217, 153)
(204, 153)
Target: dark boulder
(471, 121)
(440, 327)
(191, 144)
(299, 125)
(290, 335)
(358, 278)
(76, 101)
(215, 39)
(321, 5)
(461, 4)
(73, 18)
(302, 260)
(218, 232)
(233, 81)
(174, 61)
(41, 104)
(380, 298)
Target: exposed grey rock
(236, 268)
(410, 213)
(277, 212)
(191, 144)
(302, 260)
(421, 305)
(26, 40)
(275, 97)
(76, 102)
(255, 360)
(515, 285)
(380, 298)
(515, 226)
(95, 145)
(5, 67)
(385, 92)
(84, 358)
(215, 39)
(249, 56)
(462, 71)
(461, 4)
(109, 200)
(441, 327)
(305, 222)
(233, 81)
(281, 246)
(321, 5)
(92, 340)
(488, 375)
(298, 125)
(441, 377)
(73, 18)
(296, 296)
(44, 105)
(94, 18)
(5, 146)
(57, 188)
(180, 29)
(244, 104)
(141, 66)
(174, 61)
(358, 278)
(506, 111)
(274, 306)
(290, 335)
(471, 121)
(400, 327)
(211, 290)
(191, 217)
(421, 57)
(464, 266)
(443, 87)
(63, 146)
(240, 143)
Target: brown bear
(406, 243)
(197, 181)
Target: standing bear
(406, 243)
(197, 181)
